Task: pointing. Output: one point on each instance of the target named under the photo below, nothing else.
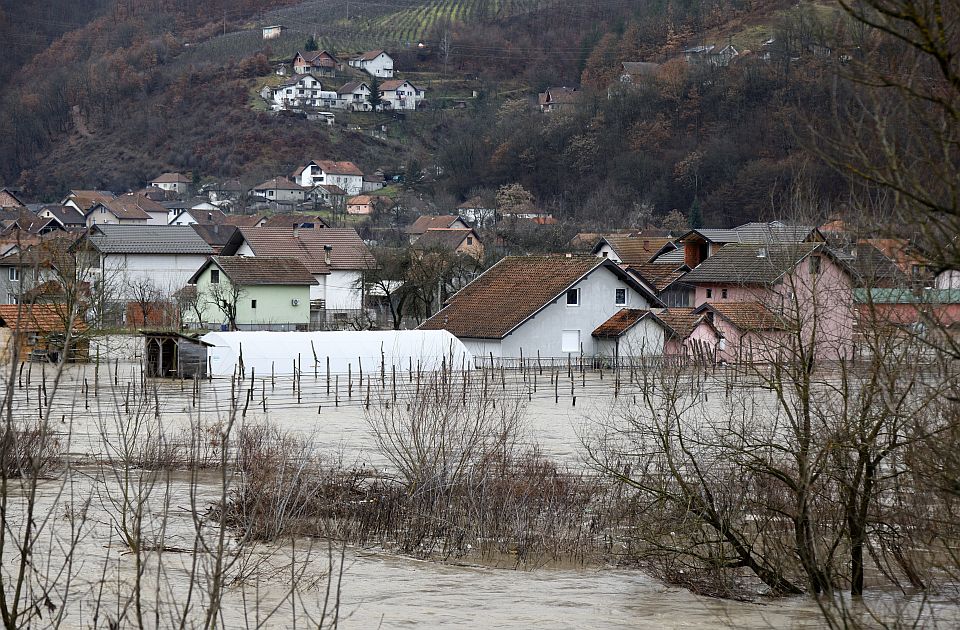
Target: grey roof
(739, 263)
(148, 239)
(757, 233)
(672, 257)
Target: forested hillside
(164, 84)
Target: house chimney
(326, 253)
(296, 230)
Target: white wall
(644, 339)
(342, 290)
(949, 279)
(606, 249)
(544, 330)
(166, 272)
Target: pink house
(794, 298)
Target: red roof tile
(621, 321)
(37, 318)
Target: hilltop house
(335, 256)
(300, 90)
(354, 96)
(545, 306)
(344, 174)
(262, 293)
(368, 204)
(376, 63)
(398, 94)
(710, 55)
(174, 182)
(477, 212)
(558, 99)
(317, 62)
(280, 190)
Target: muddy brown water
(378, 588)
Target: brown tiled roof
(36, 318)
(370, 55)
(86, 199)
(746, 316)
(278, 183)
(559, 96)
(681, 321)
(424, 223)
(508, 293)
(634, 250)
(657, 275)
(290, 219)
(125, 208)
(261, 270)
(349, 88)
(339, 168)
(621, 321)
(348, 251)
(171, 178)
(333, 189)
(216, 235)
(317, 58)
(242, 220)
(393, 84)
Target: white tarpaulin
(280, 352)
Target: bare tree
(225, 297)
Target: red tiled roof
(370, 55)
(448, 238)
(261, 270)
(348, 251)
(621, 321)
(171, 178)
(508, 293)
(635, 250)
(339, 168)
(424, 223)
(681, 321)
(36, 318)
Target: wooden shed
(174, 355)
(38, 332)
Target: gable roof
(122, 210)
(751, 264)
(339, 167)
(259, 270)
(86, 199)
(147, 239)
(348, 251)
(242, 220)
(392, 84)
(352, 86)
(746, 316)
(278, 183)
(370, 55)
(171, 178)
(757, 232)
(216, 235)
(65, 215)
(640, 68)
(290, 219)
(658, 276)
(9, 198)
(320, 58)
(513, 290)
(424, 223)
(680, 320)
(203, 217)
(559, 96)
(333, 189)
(632, 250)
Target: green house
(251, 293)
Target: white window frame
(566, 297)
(616, 296)
(13, 273)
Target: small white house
(176, 182)
(376, 63)
(300, 90)
(546, 305)
(280, 189)
(274, 31)
(354, 96)
(346, 175)
(398, 94)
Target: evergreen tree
(695, 218)
(375, 99)
(312, 44)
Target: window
(469, 240)
(621, 297)
(813, 266)
(709, 293)
(723, 294)
(573, 297)
(12, 298)
(253, 304)
(605, 254)
(214, 276)
(570, 341)
(14, 274)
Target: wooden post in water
(328, 375)
(336, 390)
(349, 380)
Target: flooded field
(277, 585)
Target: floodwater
(377, 589)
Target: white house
(126, 209)
(280, 189)
(400, 94)
(335, 256)
(300, 90)
(376, 63)
(273, 31)
(132, 258)
(176, 182)
(354, 96)
(546, 305)
(346, 175)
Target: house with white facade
(354, 96)
(127, 209)
(546, 305)
(335, 256)
(128, 259)
(280, 189)
(376, 63)
(175, 182)
(300, 90)
(343, 174)
(84, 200)
(398, 94)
